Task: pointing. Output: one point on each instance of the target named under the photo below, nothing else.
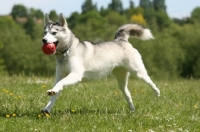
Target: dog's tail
(134, 30)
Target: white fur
(86, 61)
(146, 35)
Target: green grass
(99, 106)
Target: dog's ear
(46, 20)
(61, 20)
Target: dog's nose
(44, 40)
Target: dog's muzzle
(44, 40)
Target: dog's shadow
(86, 111)
(57, 113)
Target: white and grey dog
(84, 61)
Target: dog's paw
(44, 111)
(51, 93)
(158, 93)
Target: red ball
(49, 48)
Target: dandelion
(11, 94)
(116, 93)
(195, 106)
(7, 115)
(180, 104)
(39, 116)
(43, 86)
(6, 91)
(13, 115)
(47, 115)
(135, 91)
(72, 111)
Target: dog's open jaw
(56, 43)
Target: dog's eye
(54, 33)
(45, 32)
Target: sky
(175, 8)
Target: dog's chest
(63, 66)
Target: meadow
(99, 106)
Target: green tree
(88, 6)
(2, 66)
(116, 5)
(195, 15)
(36, 14)
(189, 39)
(131, 4)
(39, 14)
(20, 52)
(53, 15)
(18, 11)
(162, 19)
(145, 4)
(159, 5)
(29, 27)
(92, 27)
(74, 20)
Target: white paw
(131, 107)
(51, 92)
(158, 93)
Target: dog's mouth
(50, 48)
(56, 43)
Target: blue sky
(175, 8)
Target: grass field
(99, 106)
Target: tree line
(174, 52)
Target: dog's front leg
(52, 100)
(72, 78)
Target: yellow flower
(11, 94)
(195, 106)
(39, 116)
(47, 115)
(13, 115)
(72, 111)
(180, 104)
(43, 86)
(7, 115)
(116, 93)
(135, 90)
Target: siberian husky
(84, 61)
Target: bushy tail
(134, 30)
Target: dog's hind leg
(144, 76)
(121, 76)
(136, 65)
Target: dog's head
(55, 32)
